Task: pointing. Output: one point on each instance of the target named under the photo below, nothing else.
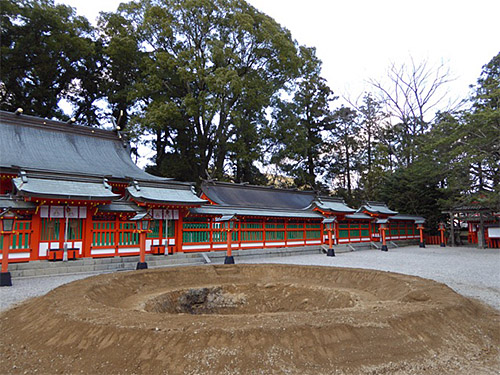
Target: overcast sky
(358, 39)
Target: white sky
(358, 39)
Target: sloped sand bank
(251, 319)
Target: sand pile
(251, 319)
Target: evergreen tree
(344, 138)
(371, 161)
(207, 63)
(123, 64)
(47, 54)
(466, 144)
(296, 130)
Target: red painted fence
(434, 240)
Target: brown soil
(246, 319)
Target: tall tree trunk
(310, 169)
(220, 157)
(160, 148)
(480, 177)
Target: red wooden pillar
(211, 233)
(348, 230)
(383, 228)
(161, 223)
(421, 230)
(237, 228)
(87, 235)
(7, 225)
(142, 246)
(178, 226)
(35, 236)
(143, 222)
(329, 224)
(229, 255)
(62, 230)
(229, 241)
(285, 224)
(5, 278)
(116, 235)
(322, 233)
(7, 238)
(226, 222)
(442, 229)
(263, 233)
(330, 244)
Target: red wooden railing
(434, 240)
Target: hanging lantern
(7, 221)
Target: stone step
(88, 265)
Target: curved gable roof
(331, 204)
(165, 193)
(37, 144)
(377, 208)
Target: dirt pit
(251, 319)
(248, 298)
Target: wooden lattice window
(50, 229)
(21, 237)
(103, 234)
(75, 229)
(128, 235)
(196, 230)
(313, 234)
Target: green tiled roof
(377, 208)
(16, 203)
(36, 144)
(332, 205)
(359, 216)
(66, 189)
(165, 194)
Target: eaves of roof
(64, 189)
(257, 212)
(34, 144)
(165, 194)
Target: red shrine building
(76, 187)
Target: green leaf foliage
(47, 54)
(210, 71)
(295, 133)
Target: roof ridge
(375, 203)
(164, 183)
(334, 199)
(247, 185)
(10, 118)
(262, 208)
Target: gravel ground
(29, 287)
(469, 271)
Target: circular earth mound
(251, 319)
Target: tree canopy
(218, 89)
(47, 54)
(211, 69)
